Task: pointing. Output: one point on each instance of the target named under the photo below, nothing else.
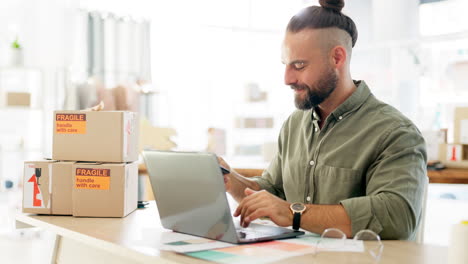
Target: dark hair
(324, 16)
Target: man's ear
(338, 56)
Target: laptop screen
(190, 193)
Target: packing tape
(97, 107)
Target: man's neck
(343, 90)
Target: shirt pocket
(334, 184)
(294, 179)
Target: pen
(224, 170)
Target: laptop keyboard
(250, 232)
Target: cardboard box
(454, 152)
(18, 99)
(62, 187)
(251, 122)
(104, 136)
(461, 125)
(47, 187)
(105, 190)
(446, 152)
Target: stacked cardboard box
(93, 172)
(18, 99)
(455, 155)
(47, 187)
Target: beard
(318, 92)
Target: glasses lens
(331, 239)
(372, 244)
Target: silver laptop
(191, 199)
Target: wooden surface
(448, 176)
(135, 238)
(441, 176)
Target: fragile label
(70, 123)
(92, 179)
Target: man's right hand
(227, 177)
(235, 183)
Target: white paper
(329, 244)
(181, 243)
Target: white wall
(204, 52)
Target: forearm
(238, 185)
(387, 214)
(317, 218)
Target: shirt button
(308, 198)
(312, 163)
(340, 117)
(316, 129)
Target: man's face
(308, 71)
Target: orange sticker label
(70, 123)
(92, 179)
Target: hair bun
(334, 5)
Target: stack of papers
(263, 252)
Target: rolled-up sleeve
(395, 183)
(271, 179)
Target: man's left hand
(262, 203)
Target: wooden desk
(135, 239)
(448, 176)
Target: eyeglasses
(333, 239)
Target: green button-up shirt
(367, 157)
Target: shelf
(454, 176)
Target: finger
(251, 195)
(249, 191)
(239, 207)
(241, 204)
(237, 212)
(250, 207)
(227, 183)
(259, 212)
(247, 214)
(223, 163)
(253, 202)
(244, 209)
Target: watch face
(297, 207)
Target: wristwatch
(297, 209)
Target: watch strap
(296, 221)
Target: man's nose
(289, 76)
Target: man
(345, 159)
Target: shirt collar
(353, 102)
(315, 115)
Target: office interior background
(211, 70)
